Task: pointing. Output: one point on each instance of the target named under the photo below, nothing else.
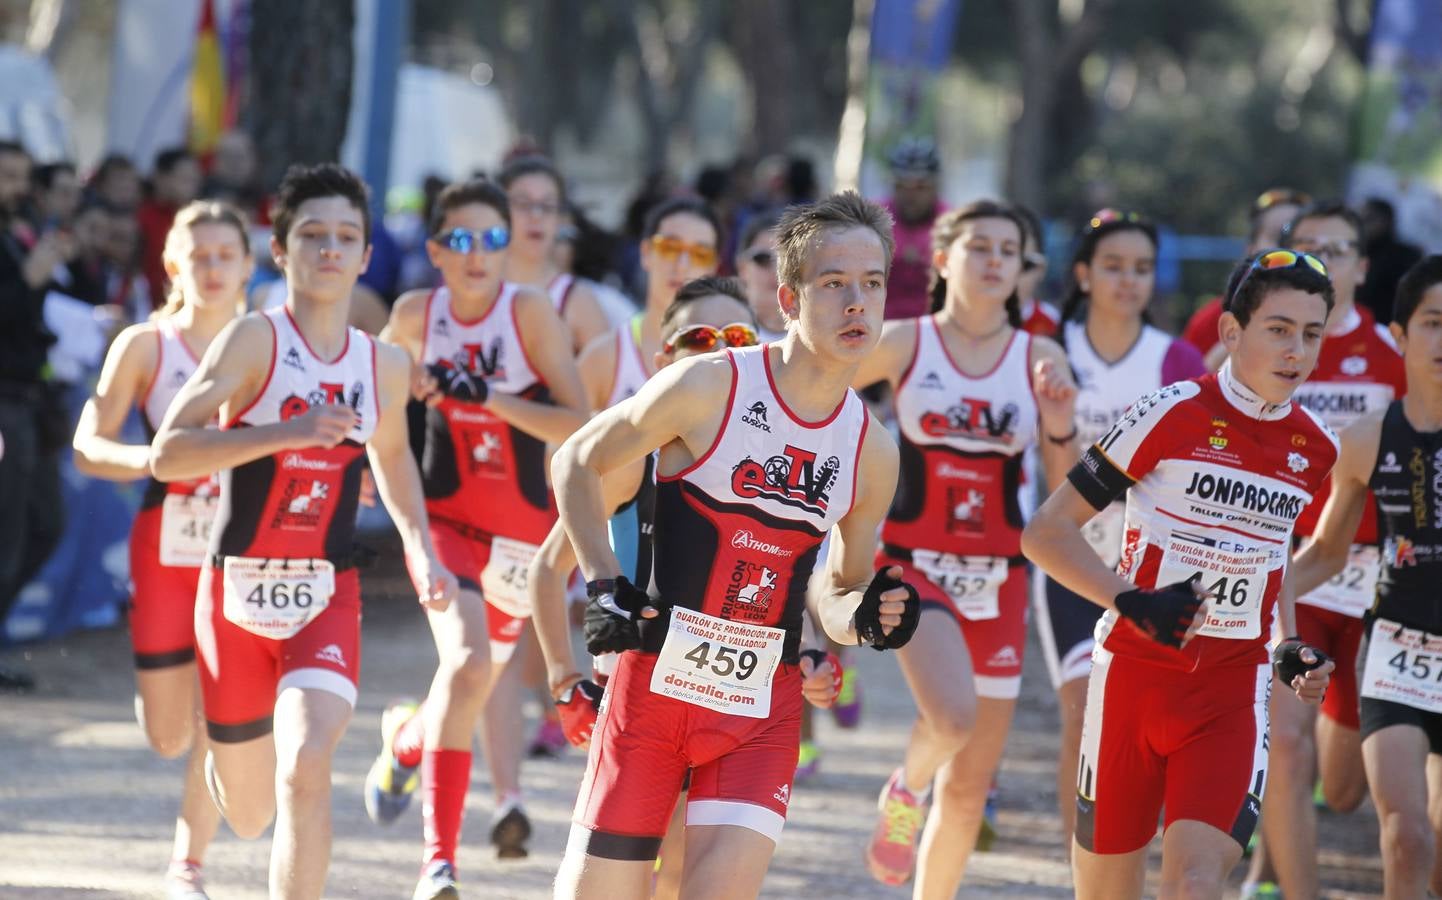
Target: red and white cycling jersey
(962, 439)
(1215, 479)
(301, 504)
(737, 531)
(479, 470)
(1358, 371)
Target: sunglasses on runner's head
(1273, 260)
(464, 240)
(1269, 199)
(763, 258)
(1109, 215)
(704, 338)
(668, 248)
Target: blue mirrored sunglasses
(464, 240)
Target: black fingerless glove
(1163, 613)
(612, 612)
(868, 614)
(455, 382)
(1287, 659)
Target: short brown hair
(464, 193)
(707, 286)
(802, 224)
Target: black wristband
(600, 586)
(1065, 439)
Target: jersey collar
(1246, 400)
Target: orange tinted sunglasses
(668, 248)
(704, 338)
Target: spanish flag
(207, 86)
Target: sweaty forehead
(1304, 308)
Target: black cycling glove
(612, 613)
(1164, 613)
(1287, 659)
(457, 383)
(868, 614)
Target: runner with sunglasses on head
(679, 243)
(1391, 468)
(537, 196)
(1270, 213)
(303, 399)
(1358, 372)
(973, 391)
(762, 451)
(497, 382)
(1215, 472)
(207, 256)
(1116, 356)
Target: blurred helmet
(914, 156)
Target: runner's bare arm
(685, 401)
(550, 569)
(399, 482)
(1053, 540)
(584, 317)
(230, 376)
(849, 564)
(1056, 406)
(597, 365)
(1326, 553)
(545, 339)
(129, 366)
(406, 329)
(891, 357)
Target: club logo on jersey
(479, 361)
(293, 360)
(790, 478)
(178, 378)
(1130, 541)
(326, 392)
(932, 382)
(1217, 442)
(1219, 423)
(1399, 552)
(486, 452)
(748, 593)
(745, 540)
(1299, 440)
(1250, 497)
(972, 418)
(1353, 365)
(301, 504)
(1297, 462)
(442, 328)
(755, 416)
(1389, 466)
(968, 510)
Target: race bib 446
(1234, 572)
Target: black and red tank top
(174, 364)
(480, 472)
(962, 440)
(301, 504)
(737, 531)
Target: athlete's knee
(1291, 742)
(304, 773)
(1202, 879)
(952, 723)
(1406, 840)
(469, 670)
(1344, 797)
(249, 820)
(170, 740)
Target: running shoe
(550, 741)
(987, 835)
(808, 761)
(847, 708)
(183, 881)
(1260, 890)
(438, 882)
(390, 785)
(891, 855)
(1319, 796)
(510, 829)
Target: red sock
(409, 740)
(445, 779)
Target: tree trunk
(768, 56)
(1026, 166)
(851, 142)
(302, 56)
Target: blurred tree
(301, 64)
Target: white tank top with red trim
(630, 372)
(299, 379)
(489, 347)
(174, 364)
(559, 289)
(768, 458)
